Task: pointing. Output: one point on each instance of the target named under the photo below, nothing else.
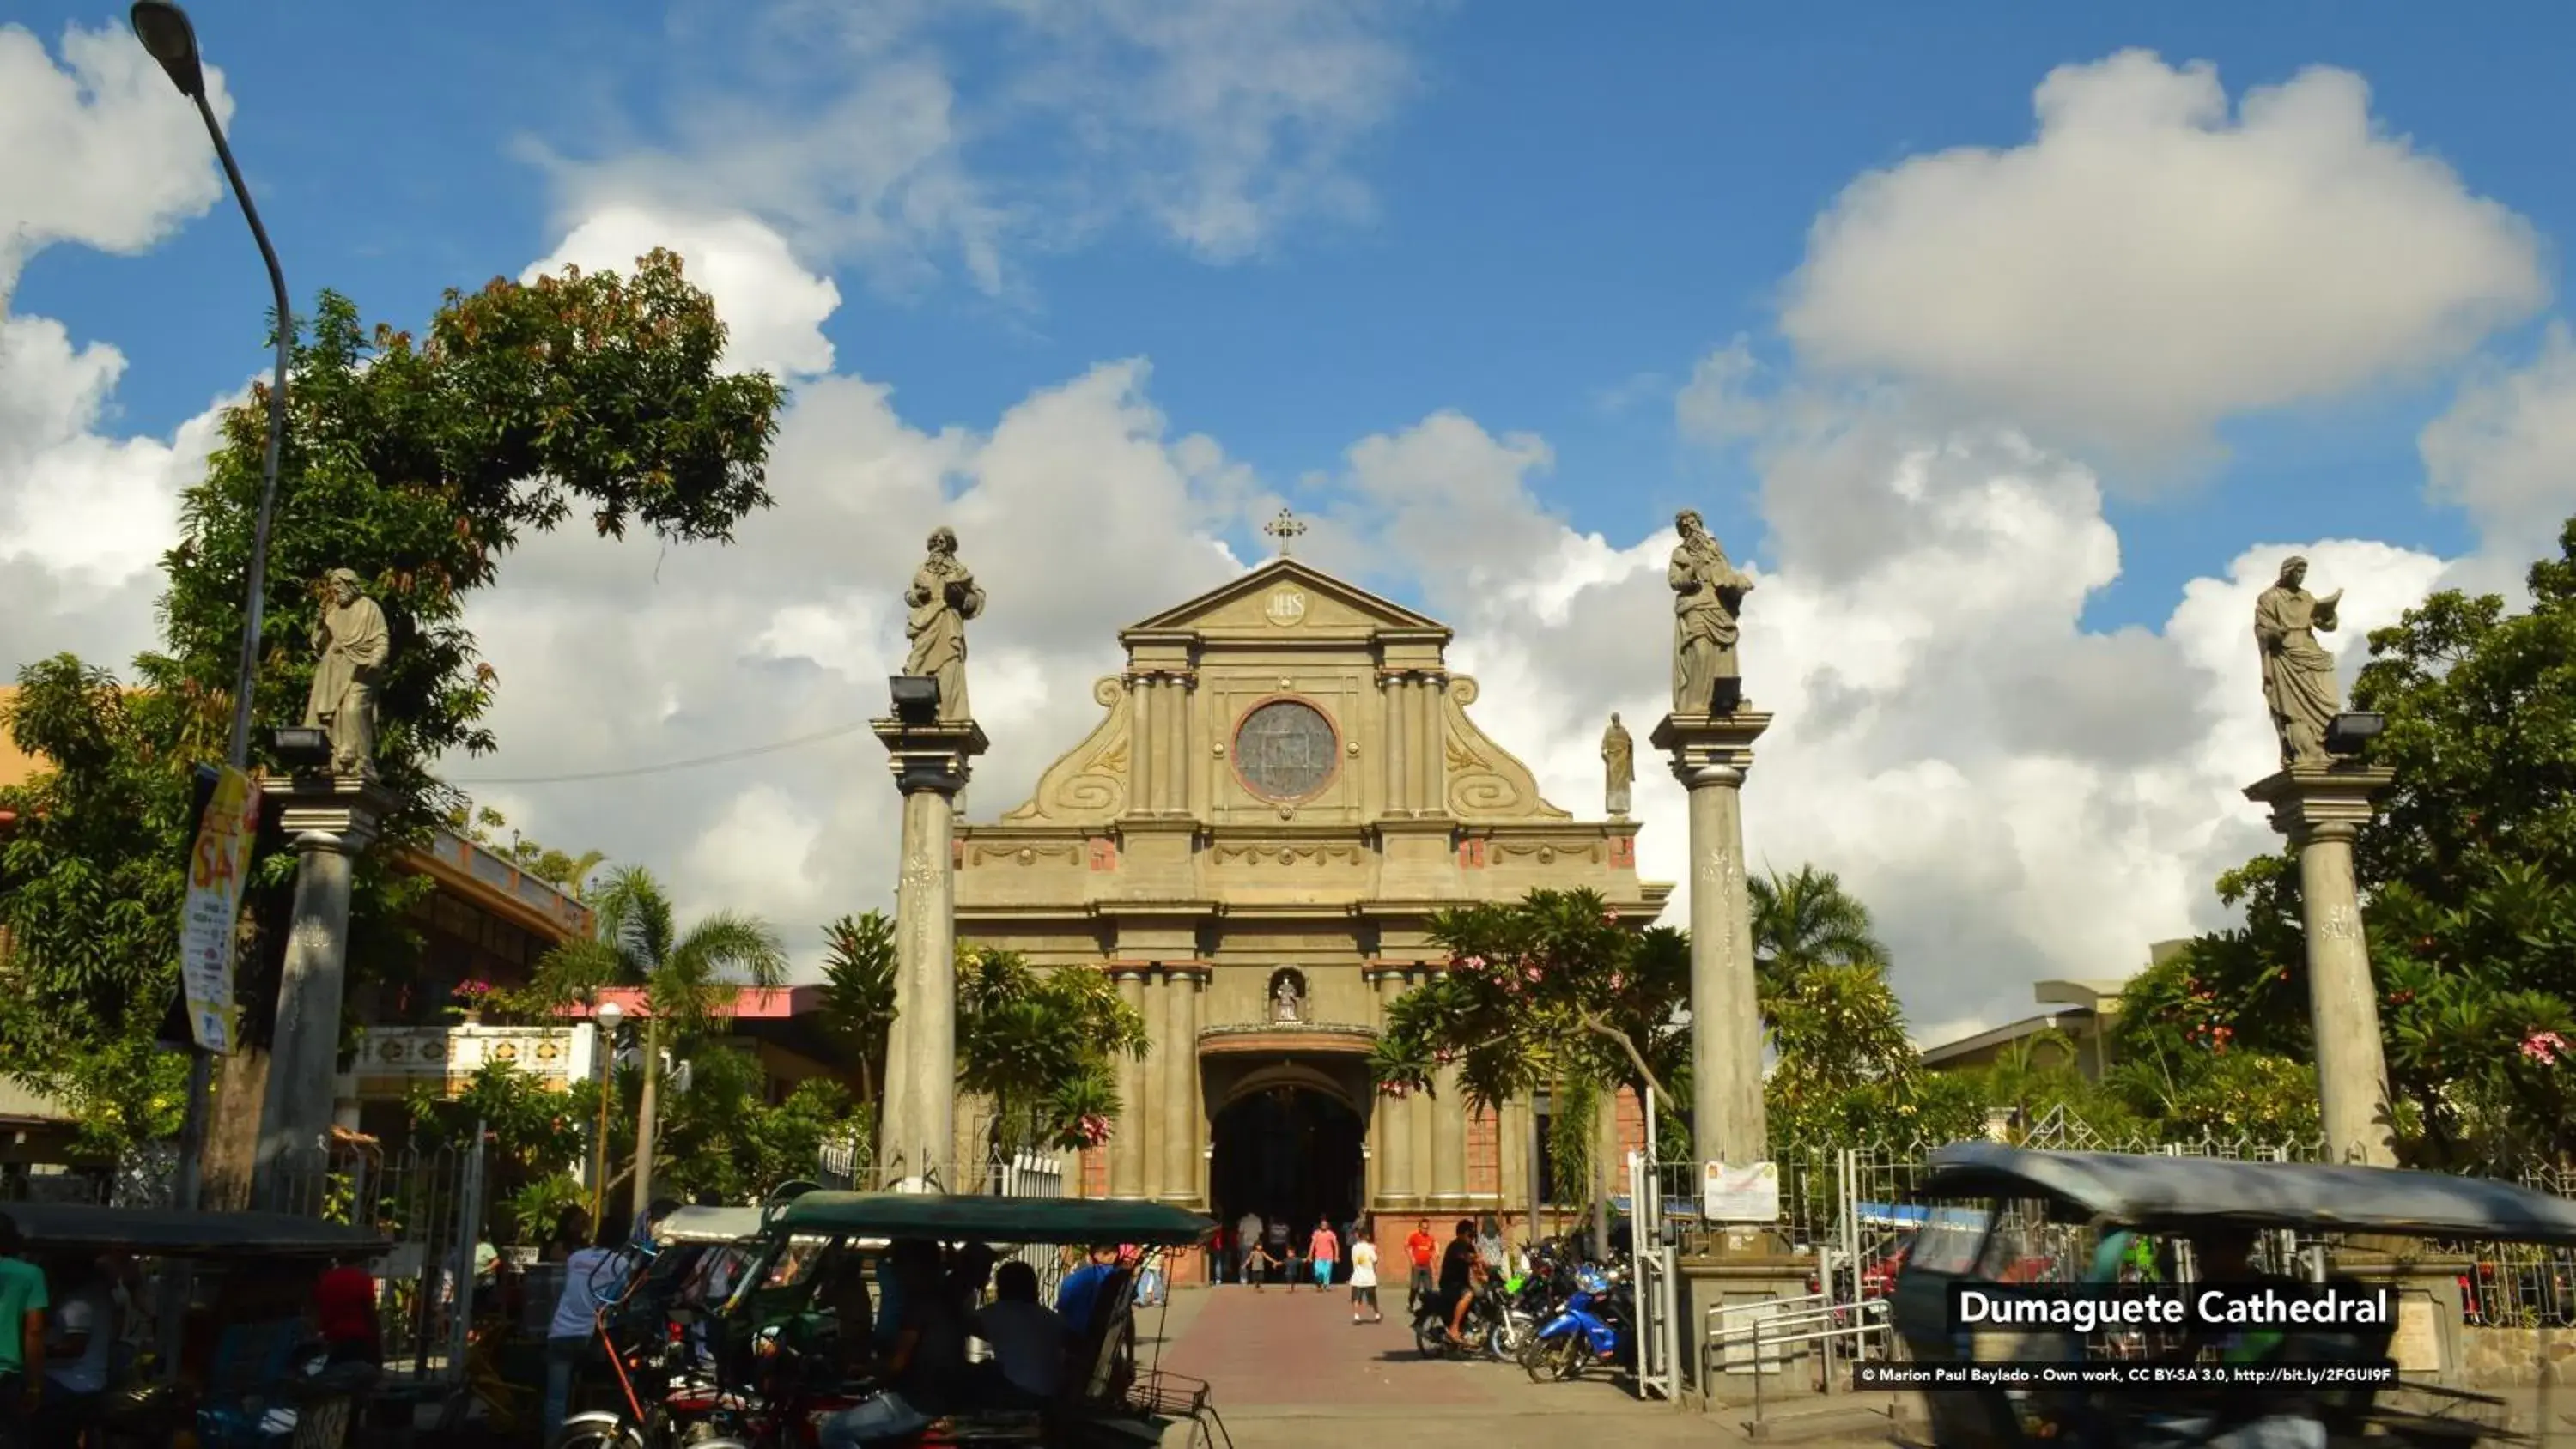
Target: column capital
(344, 810)
(1194, 972)
(1710, 749)
(1125, 971)
(2313, 804)
(934, 756)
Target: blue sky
(2011, 348)
(1564, 216)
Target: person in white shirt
(1026, 1337)
(591, 1280)
(1364, 1276)
(80, 1340)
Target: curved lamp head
(165, 32)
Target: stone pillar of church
(1449, 1141)
(1392, 696)
(1127, 1147)
(1180, 1061)
(1394, 1152)
(1177, 761)
(1431, 764)
(1140, 728)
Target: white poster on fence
(217, 861)
(1748, 1194)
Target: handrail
(1806, 1309)
(1823, 1337)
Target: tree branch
(1592, 1022)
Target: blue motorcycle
(1591, 1328)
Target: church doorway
(1287, 1152)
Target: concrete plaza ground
(1290, 1369)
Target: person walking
(1247, 1241)
(589, 1283)
(1323, 1250)
(1364, 1281)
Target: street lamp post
(165, 32)
(609, 1015)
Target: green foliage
(1044, 1047)
(858, 996)
(2469, 882)
(724, 1135)
(532, 1133)
(1547, 989)
(91, 881)
(537, 1206)
(417, 466)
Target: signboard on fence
(217, 861)
(1747, 1194)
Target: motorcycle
(1592, 1327)
(1482, 1332)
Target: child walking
(1364, 1279)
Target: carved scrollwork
(1484, 781)
(1088, 785)
(1285, 854)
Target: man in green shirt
(22, 1328)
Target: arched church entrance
(1288, 1151)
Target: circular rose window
(1284, 750)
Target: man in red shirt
(1420, 1249)
(344, 1309)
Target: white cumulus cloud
(773, 309)
(2151, 263)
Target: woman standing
(1364, 1280)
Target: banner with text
(208, 923)
(1748, 1194)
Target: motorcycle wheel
(1513, 1334)
(1431, 1337)
(1574, 1354)
(1538, 1359)
(597, 1431)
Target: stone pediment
(1284, 599)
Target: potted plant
(473, 997)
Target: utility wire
(633, 771)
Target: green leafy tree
(418, 464)
(1043, 1047)
(690, 979)
(858, 998)
(2469, 883)
(1803, 921)
(90, 890)
(533, 1134)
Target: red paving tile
(1275, 1349)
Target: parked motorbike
(1593, 1327)
(1485, 1327)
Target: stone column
(1396, 1182)
(1127, 1146)
(1176, 800)
(1140, 729)
(1431, 763)
(2319, 811)
(332, 820)
(1181, 1151)
(1392, 692)
(1711, 754)
(1449, 1141)
(931, 760)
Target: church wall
(1158, 851)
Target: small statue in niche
(1287, 1003)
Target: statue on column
(943, 597)
(1618, 768)
(2298, 674)
(1708, 596)
(352, 645)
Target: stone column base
(2430, 1305)
(1727, 1275)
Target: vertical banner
(217, 861)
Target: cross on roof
(1286, 528)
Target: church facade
(1284, 785)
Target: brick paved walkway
(1273, 1348)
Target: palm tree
(1803, 921)
(689, 977)
(858, 995)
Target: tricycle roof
(172, 1233)
(2167, 1193)
(712, 1225)
(964, 1217)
